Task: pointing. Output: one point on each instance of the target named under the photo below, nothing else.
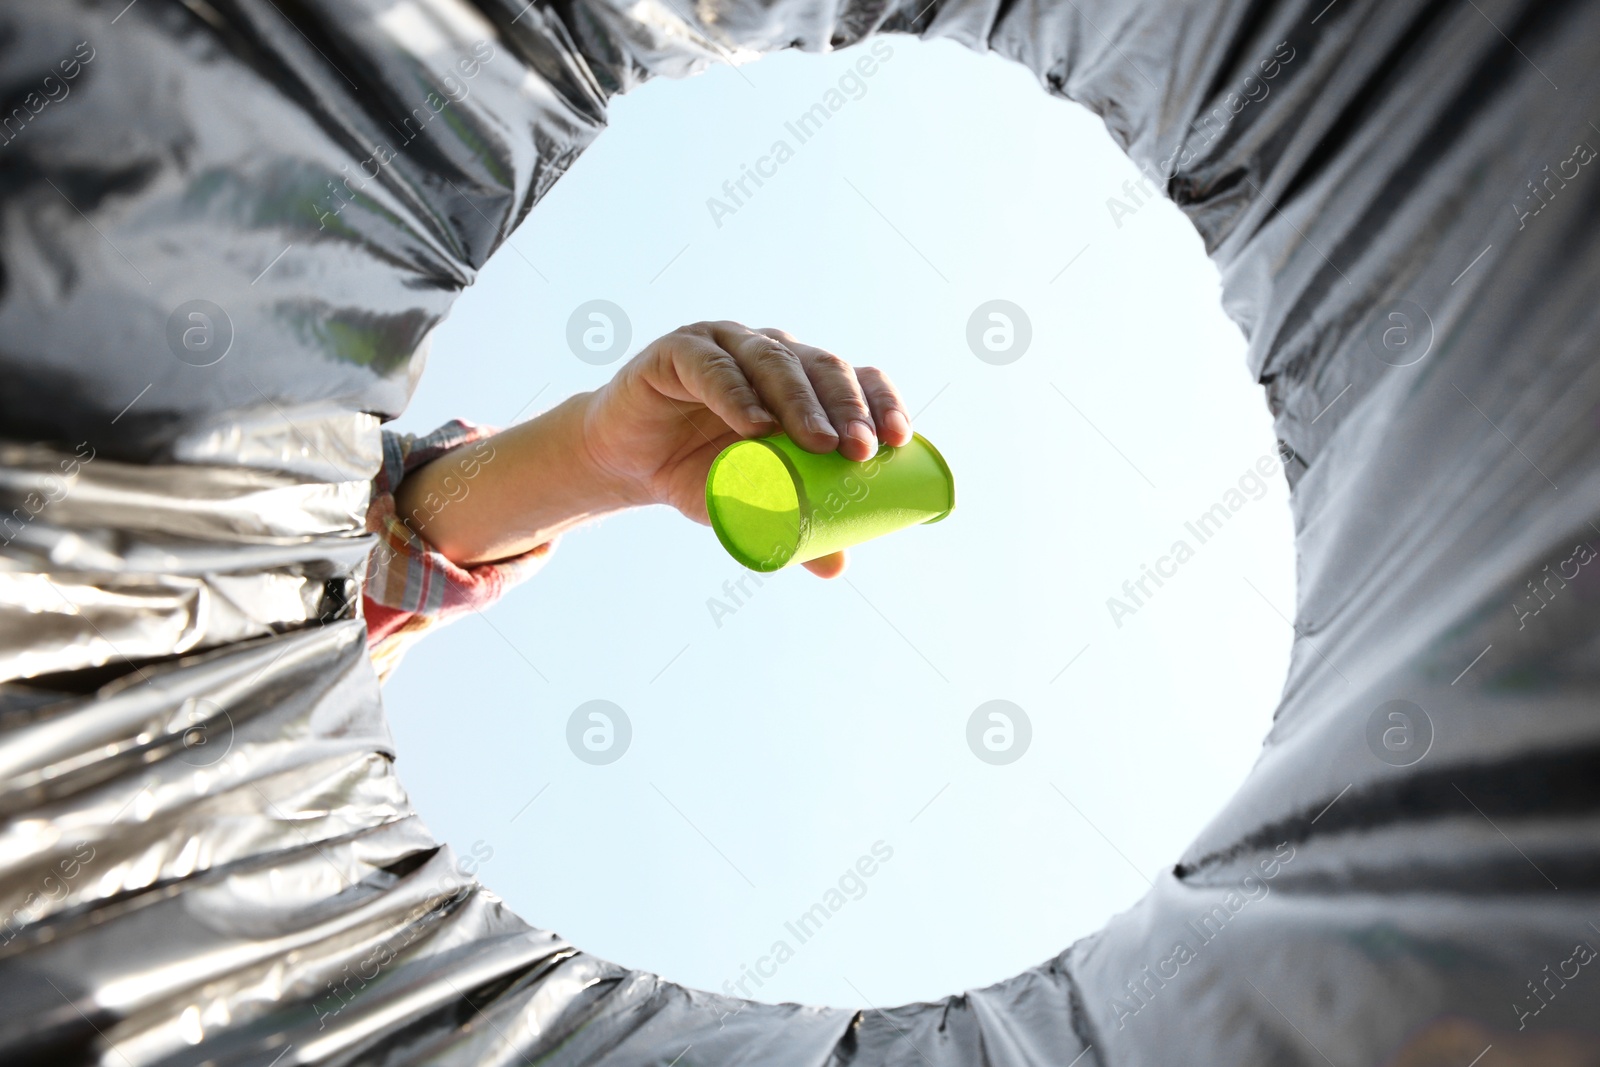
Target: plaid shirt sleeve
(410, 588)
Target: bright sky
(775, 746)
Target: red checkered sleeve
(411, 588)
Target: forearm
(516, 490)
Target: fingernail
(896, 423)
(818, 424)
(757, 414)
(863, 433)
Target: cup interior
(754, 505)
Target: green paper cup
(773, 503)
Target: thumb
(830, 566)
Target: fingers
(888, 410)
(760, 380)
(781, 381)
(834, 382)
(829, 566)
(712, 375)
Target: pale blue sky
(771, 752)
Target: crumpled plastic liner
(205, 855)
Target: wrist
(612, 488)
(539, 478)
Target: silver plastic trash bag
(226, 230)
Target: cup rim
(803, 508)
(949, 477)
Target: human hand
(653, 430)
(648, 437)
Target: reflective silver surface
(206, 856)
